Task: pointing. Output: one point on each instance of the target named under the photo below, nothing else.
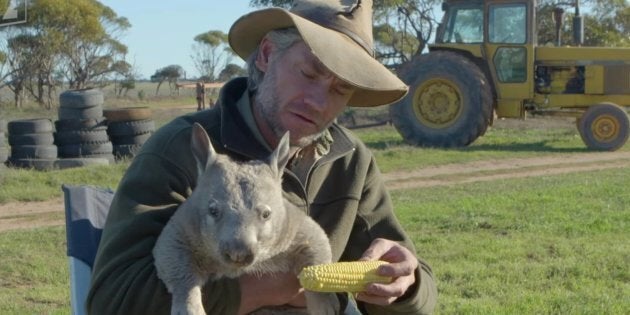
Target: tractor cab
(499, 37)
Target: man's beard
(267, 105)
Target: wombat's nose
(239, 257)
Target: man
(306, 65)
(200, 89)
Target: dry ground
(17, 215)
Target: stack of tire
(32, 143)
(128, 129)
(81, 129)
(4, 147)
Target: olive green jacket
(345, 193)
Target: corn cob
(341, 276)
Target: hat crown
(350, 17)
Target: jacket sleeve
(124, 279)
(379, 221)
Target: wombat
(236, 221)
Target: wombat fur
(236, 221)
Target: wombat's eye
(265, 212)
(213, 210)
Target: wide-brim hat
(339, 34)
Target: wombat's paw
(322, 303)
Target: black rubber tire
(471, 87)
(94, 112)
(610, 120)
(126, 150)
(34, 152)
(134, 139)
(81, 137)
(43, 164)
(81, 162)
(90, 97)
(127, 114)
(44, 138)
(25, 126)
(78, 150)
(80, 124)
(130, 128)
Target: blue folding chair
(86, 210)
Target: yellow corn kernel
(342, 276)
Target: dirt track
(17, 215)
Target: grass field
(556, 245)
(542, 245)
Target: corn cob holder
(342, 276)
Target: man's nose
(319, 95)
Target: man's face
(297, 94)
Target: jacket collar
(237, 137)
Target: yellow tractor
(485, 62)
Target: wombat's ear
(280, 156)
(202, 148)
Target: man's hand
(270, 290)
(402, 265)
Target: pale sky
(162, 32)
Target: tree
(170, 74)
(606, 22)
(19, 65)
(86, 32)
(74, 38)
(231, 71)
(210, 52)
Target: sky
(162, 31)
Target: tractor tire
(34, 152)
(39, 164)
(131, 139)
(81, 98)
(63, 138)
(449, 103)
(85, 149)
(43, 138)
(129, 128)
(23, 126)
(67, 113)
(122, 151)
(127, 114)
(604, 127)
(79, 124)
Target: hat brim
(375, 85)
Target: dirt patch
(506, 169)
(19, 215)
(26, 215)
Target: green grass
(549, 245)
(34, 275)
(30, 185)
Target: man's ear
(264, 54)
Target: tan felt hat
(339, 34)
